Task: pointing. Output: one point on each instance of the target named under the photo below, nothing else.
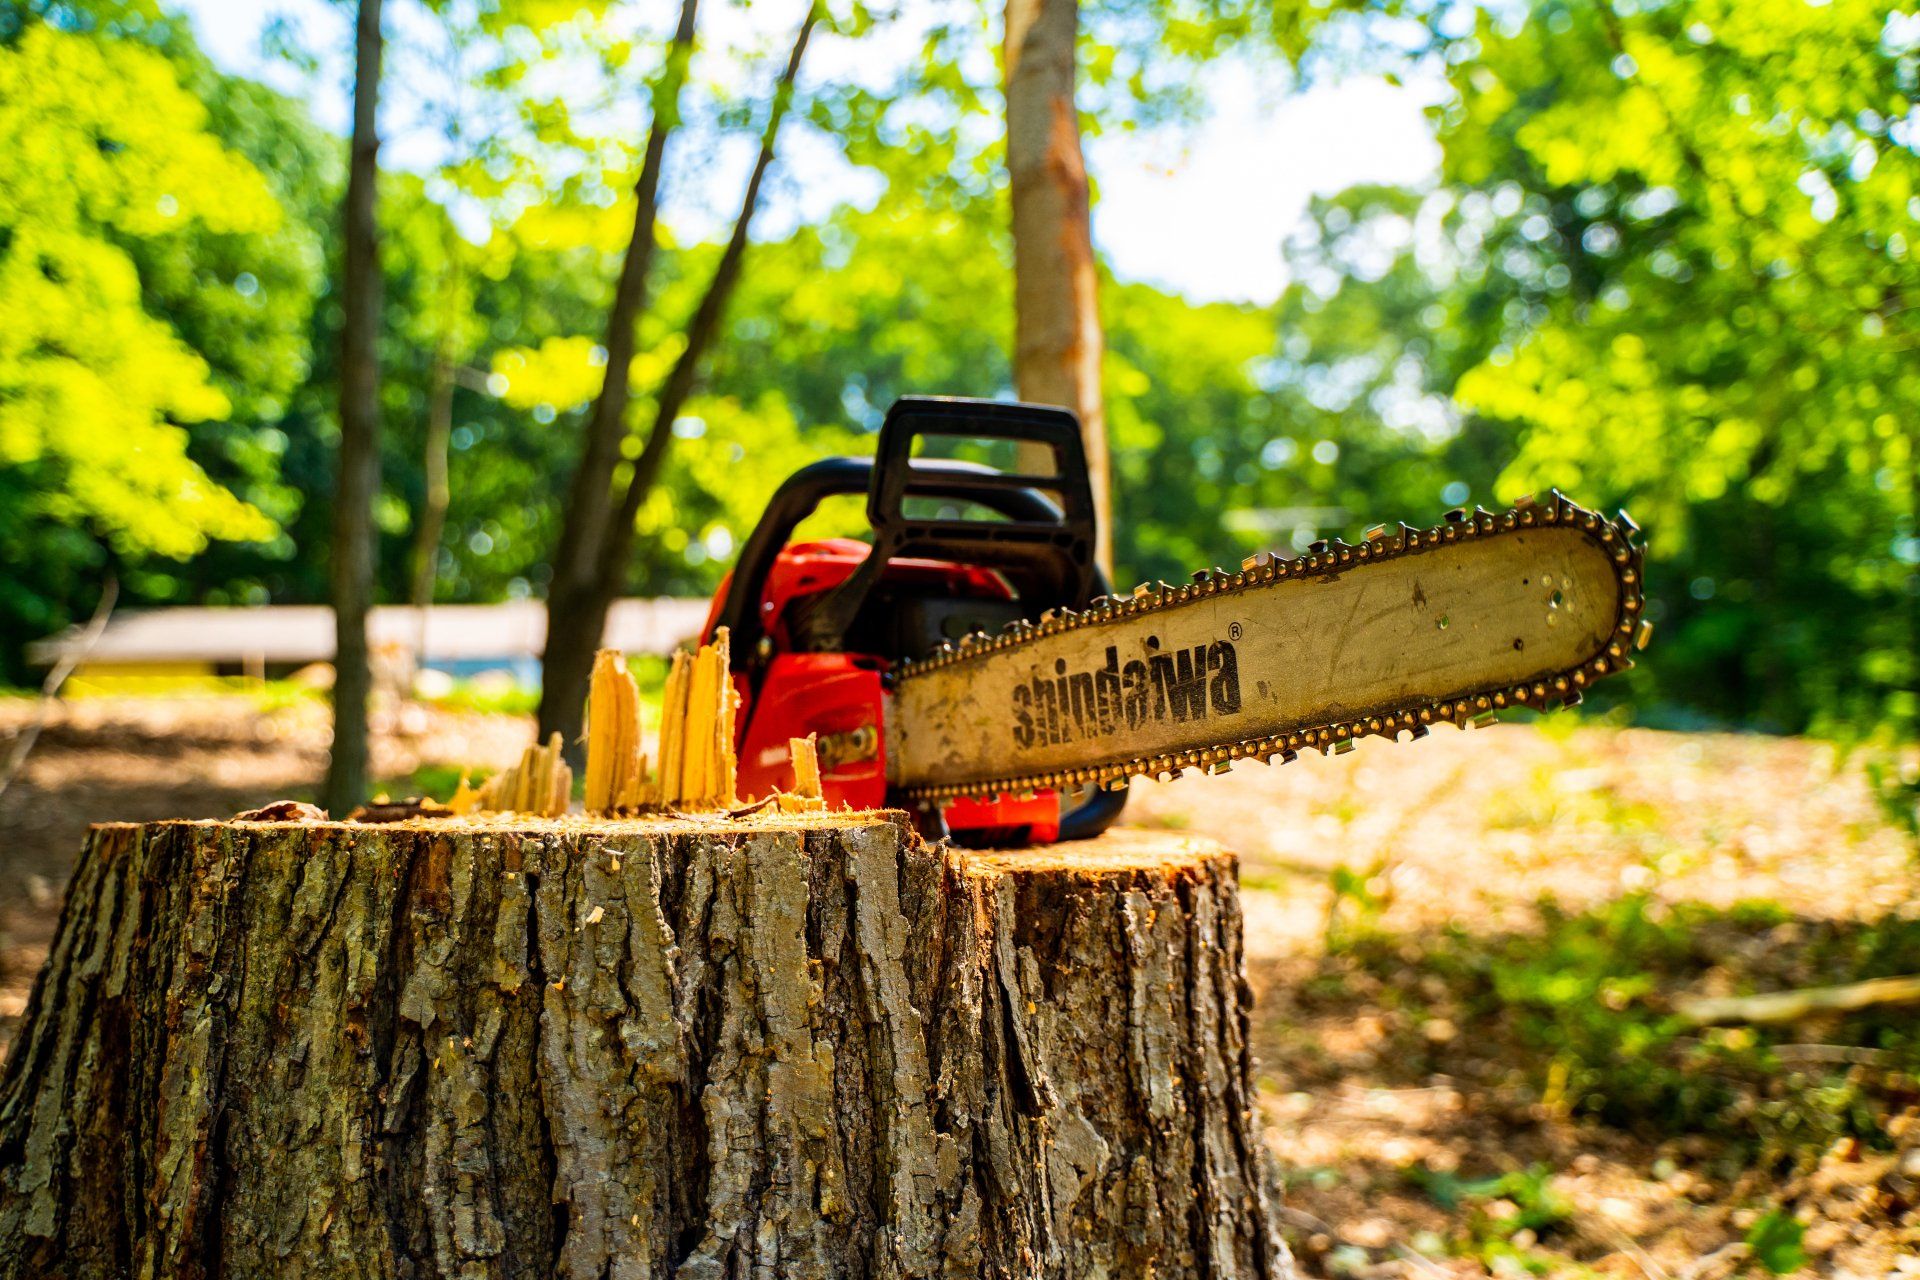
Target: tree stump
(803, 1045)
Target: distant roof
(285, 633)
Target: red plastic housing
(838, 695)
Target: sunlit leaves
(103, 133)
(1694, 224)
(1753, 287)
(560, 373)
(735, 454)
(105, 146)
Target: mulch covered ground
(1466, 953)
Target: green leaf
(1775, 1242)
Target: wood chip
(603, 731)
(806, 769)
(806, 796)
(398, 810)
(540, 784)
(727, 763)
(673, 725)
(284, 811)
(696, 786)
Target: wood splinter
(806, 796)
(540, 784)
(698, 767)
(616, 767)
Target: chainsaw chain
(1617, 536)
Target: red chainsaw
(970, 664)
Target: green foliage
(1669, 265)
(1506, 1213)
(160, 246)
(108, 149)
(436, 781)
(486, 697)
(267, 695)
(1360, 898)
(1895, 781)
(1775, 1242)
(1666, 264)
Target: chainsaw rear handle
(802, 495)
(1043, 549)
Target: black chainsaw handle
(1045, 552)
(813, 484)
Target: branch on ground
(1791, 1006)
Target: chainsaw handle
(808, 487)
(1045, 553)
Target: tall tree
(597, 540)
(450, 335)
(433, 504)
(358, 477)
(583, 531)
(1057, 342)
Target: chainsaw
(972, 664)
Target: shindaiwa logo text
(1182, 685)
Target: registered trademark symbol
(1233, 631)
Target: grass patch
(267, 695)
(1267, 881)
(1174, 820)
(1505, 1217)
(487, 697)
(491, 695)
(436, 781)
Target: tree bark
(1056, 303)
(804, 1046)
(350, 571)
(582, 595)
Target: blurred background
(1346, 263)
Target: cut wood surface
(796, 1044)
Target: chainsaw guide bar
(1414, 627)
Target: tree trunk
(431, 525)
(571, 610)
(585, 584)
(351, 567)
(438, 494)
(803, 1046)
(1056, 304)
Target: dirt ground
(1465, 955)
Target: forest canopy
(1665, 263)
